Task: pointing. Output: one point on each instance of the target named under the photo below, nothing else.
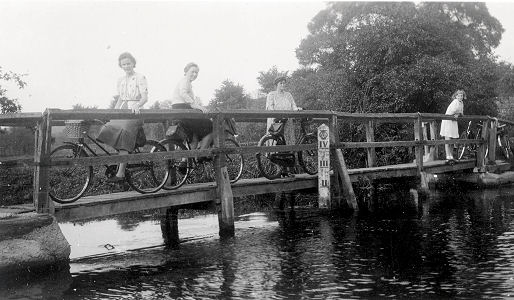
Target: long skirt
(121, 134)
(449, 128)
(200, 127)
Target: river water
(458, 244)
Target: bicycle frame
(288, 159)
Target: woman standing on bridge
(132, 94)
(282, 100)
(450, 128)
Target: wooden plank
(492, 139)
(418, 136)
(370, 137)
(20, 119)
(340, 167)
(377, 116)
(336, 200)
(434, 135)
(17, 161)
(117, 203)
(225, 198)
(482, 160)
(432, 116)
(41, 199)
(425, 137)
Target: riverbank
(30, 241)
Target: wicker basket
(75, 129)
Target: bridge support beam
(169, 227)
(42, 201)
(225, 198)
(342, 177)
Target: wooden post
(169, 227)
(493, 128)
(418, 134)
(323, 166)
(434, 135)
(481, 157)
(225, 198)
(42, 202)
(344, 176)
(370, 137)
(335, 201)
(35, 172)
(425, 138)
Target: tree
(8, 105)
(79, 106)
(267, 79)
(229, 96)
(401, 57)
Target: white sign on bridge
(323, 166)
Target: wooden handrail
(55, 117)
(20, 119)
(58, 116)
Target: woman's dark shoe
(115, 179)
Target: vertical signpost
(323, 166)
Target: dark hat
(279, 79)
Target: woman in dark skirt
(198, 130)
(132, 94)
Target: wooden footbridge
(424, 141)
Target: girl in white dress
(450, 128)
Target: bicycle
(272, 164)
(193, 170)
(469, 134)
(68, 184)
(502, 140)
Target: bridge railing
(424, 126)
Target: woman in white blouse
(282, 100)
(198, 130)
(132, 94)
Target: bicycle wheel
(504, 144)
(68, 184)
(308, 159)
(463, 148)
(148, 176)
(268, 168)
(179, 169)
(234, 161)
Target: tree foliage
(79, 106)
(8, 105)
(399, 57)
(266, 79)
(229, 96)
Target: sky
(69, 49)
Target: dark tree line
(400, 57)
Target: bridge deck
(116, 203)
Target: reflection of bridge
(424, 140)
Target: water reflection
(457, 244)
